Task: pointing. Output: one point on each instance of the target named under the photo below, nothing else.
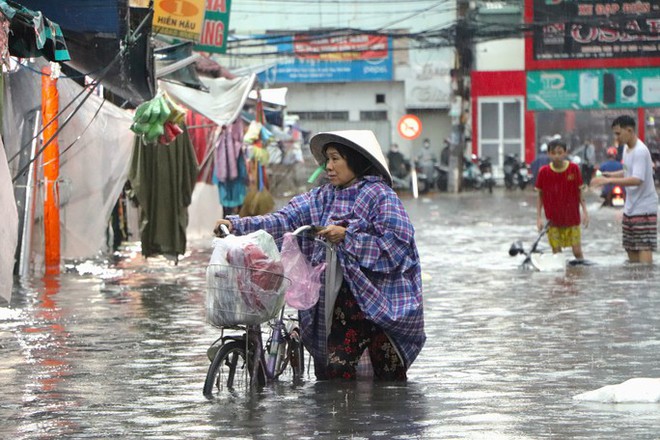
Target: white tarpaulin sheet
(8, 227)
(95, 170)
(95, 152)
(222, 103)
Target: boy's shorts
(640, 232)
(563, 236)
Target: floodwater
(119, 351)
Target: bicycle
(240, 362)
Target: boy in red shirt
(560, 186)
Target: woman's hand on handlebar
(333, 233)
(218, 227)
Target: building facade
(583, 64)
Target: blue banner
(340, 59)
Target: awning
(177, 63)
(223, 102)
(102, 39)
(31, 35)
(276, 96)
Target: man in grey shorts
(640, 213)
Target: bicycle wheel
(290, 363)
(227, 371)
(296, 354)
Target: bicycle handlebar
(297, 232)
(302, 229)
(307, 228)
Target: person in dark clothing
(610, 165)
(445, 153)
(541, 160)
(398, 164)
(619, 152)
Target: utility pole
(460, 99)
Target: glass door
(501, 129)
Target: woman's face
(337, 168)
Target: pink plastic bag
(305, 286)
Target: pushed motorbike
(615, 197)
(516, 173)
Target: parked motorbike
(472, 177)
(486, 168)
(419, 183)
(438, 179)
(516, 173)
(401, 176)
(615, 197)
(441, 177)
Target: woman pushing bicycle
(374, 302)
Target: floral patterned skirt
(351, 334)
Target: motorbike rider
(426, 159)
(539, 161)
(610, 165)
(399, 166)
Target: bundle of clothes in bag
(248, 279)
(245, 280)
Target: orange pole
(51, 161)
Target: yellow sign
(179, 18)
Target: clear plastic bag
(231, 299)
(262, 239)
(305, 286)
(245, 281)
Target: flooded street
(120, 351)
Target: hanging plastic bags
(305, 286)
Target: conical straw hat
(362, 141)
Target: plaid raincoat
(378, 258)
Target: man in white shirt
(640, 213)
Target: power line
(438, 36)
(336, 2)
(338, 11)
(415, 14)
(279, 11)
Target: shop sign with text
(179, 18)
(593, 89)
(331, 59)
(216, 27)
(587, 29)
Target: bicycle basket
(240, 295)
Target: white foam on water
(636, 390)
